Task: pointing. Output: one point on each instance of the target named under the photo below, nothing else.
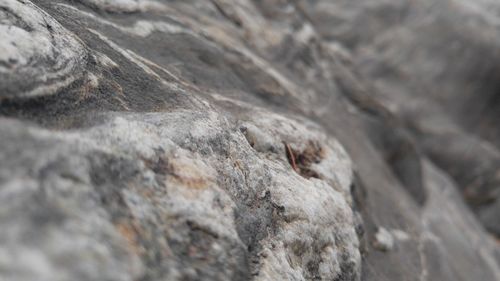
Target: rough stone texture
(249, 140)
(38, 56)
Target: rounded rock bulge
(38, 56)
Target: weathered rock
(383, 240)
(122, 6)
(38, 56)
(246, 140)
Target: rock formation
(249, 140)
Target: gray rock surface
(433, 64)
(249, 140)
(38, 56)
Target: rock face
(38, 55)
(249, 140)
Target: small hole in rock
(301, 161)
